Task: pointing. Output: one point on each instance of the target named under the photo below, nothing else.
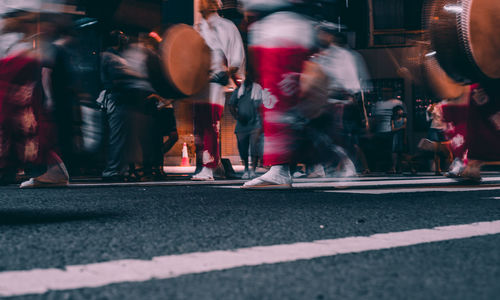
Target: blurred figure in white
(279, 44)
(228, 62)
(347, 79)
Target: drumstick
(367, 124)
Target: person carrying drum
(228, 61)
(472, 62)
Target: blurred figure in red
(27, 133)
(279, 44)
(483, 128)
(228, 62)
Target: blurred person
(228, 62)
(455, 115)
(334, 121)
(27, 132)
(383, 130)
(127, 98)
(245, 105)
(114, 71)
(165, 133)
(347, 78)
(59, 84)
(152, 115)
(164, 130)
(279, 44)
(436, 134)
(483, 128)
(353, 127)
(398, 127)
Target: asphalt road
(54, 228)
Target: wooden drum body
(464, 34)
(186, 60)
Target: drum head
(186, 59)
(464, 34)
(484, 37)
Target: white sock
(283, 170)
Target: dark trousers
(118, 142)
(249, 141)
(383, 142)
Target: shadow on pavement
(44, 216)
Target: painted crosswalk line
(352, 184)
(236, 182)
(39, 281)
(416, 190)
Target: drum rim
(457, 60)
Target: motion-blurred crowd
(299, 103)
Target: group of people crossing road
(299, 101)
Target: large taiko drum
(186, 60)
(464, 34)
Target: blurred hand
(221, 78)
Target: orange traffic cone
(185, 157)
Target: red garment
(207, 118)
(475, 126)
(278, 71)
(24, 126)
(456, 116)
(484, 124)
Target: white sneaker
(278, 177)
(348, 170)
(206, 174)
(456, 168)
(299, 174)
(317, 172)
(246, 175)
(56, 176)
(34, 183)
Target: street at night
(249, 149)
(228, 243)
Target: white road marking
(229, 182)
(353, 184)
(155, 183)
(417, 190)
(39, 281)
(339, 184)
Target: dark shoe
(113, 178)
(158, 174)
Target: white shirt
(224, 40)
(282, 30)
(341, 67)
(436, 117)
(227, 51)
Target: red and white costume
(483, 126)
(279, 44)
(227, 51)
